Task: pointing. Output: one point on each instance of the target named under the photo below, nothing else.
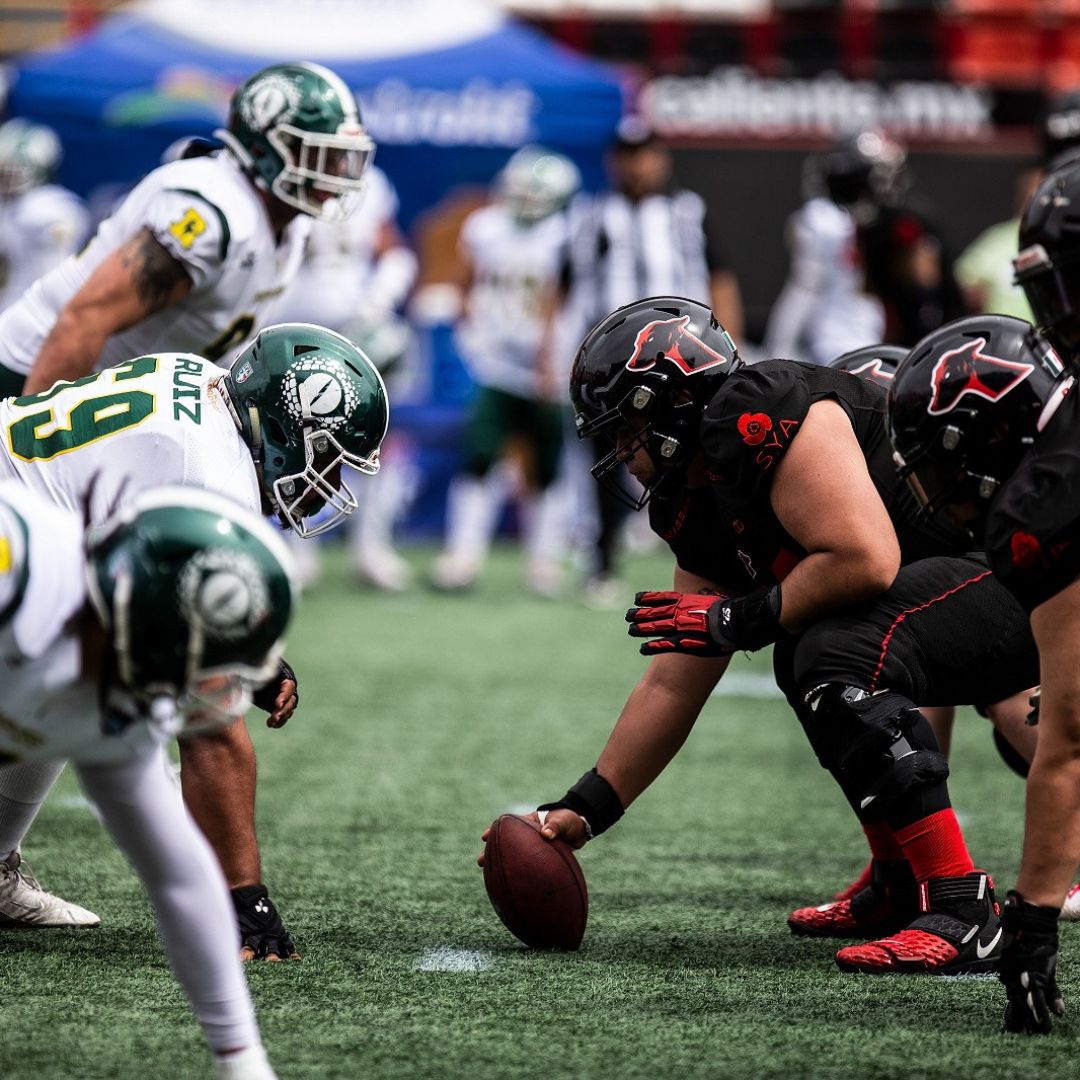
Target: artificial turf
(425, 716)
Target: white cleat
(1070, 910)
(384, 570)
(249, 1064)
(24, 903)
(452, 573)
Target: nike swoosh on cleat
(983, 951)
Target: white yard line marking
(443, 958)
(749, 684)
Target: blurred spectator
(984, 269)
(643, 237)
(41, 223)
(355, 278)
(824, 308)
(511, 252)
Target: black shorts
(946, 632)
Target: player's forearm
(1052, 816)
(655, 722)
(218, 779)
(828, 581)
(70, 351)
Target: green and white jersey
(103, 438)
(209, 217)
(38, 231)
(51, 709)
(514, 267)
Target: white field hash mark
(749, 684)
(443, 958)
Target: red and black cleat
(888, 902)
(958, 931)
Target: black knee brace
(1010, 755)
(878, 746)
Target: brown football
(535, 885)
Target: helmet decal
(668, 338)
(272, 100)
(875, 371)
(967, 370)
(320, 387)
(225, 591)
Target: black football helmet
(1048, 264)
(874, 363)
(965, 406)
(1059, 128)
(861, 171)
(660, 359)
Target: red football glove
(677, 622)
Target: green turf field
(423, 717)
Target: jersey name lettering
(182, 389)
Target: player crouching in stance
(985, 420)
(300, 409)
(774, 487)
(160, 623)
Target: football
(535, 885)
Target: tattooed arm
(137, 279)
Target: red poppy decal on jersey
(668, 339)
(1025, 549)
(753, 427)
(968, 370)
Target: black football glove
(265, 697)
(705, 623)
(262, 934)
(1029, 966)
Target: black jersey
(1033, 530)
(727, 531)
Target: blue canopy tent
(448, 89)
(445, 115)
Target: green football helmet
(296, 128)
(536, 183)
(308, 402)
(196, 593)
(29, 155)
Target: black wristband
(266, 695)
(594, 799)
(746, 623)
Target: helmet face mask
(297, 130)
(196, 593)
(309, 403)
(641, 379)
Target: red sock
(935, 847)
(882, 842)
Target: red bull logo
(669, 339)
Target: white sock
(23, 789)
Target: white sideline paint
(749, 684)
(444, 958)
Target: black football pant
(945, 633)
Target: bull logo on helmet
(968, 370)
(669, 339)
(874, 371)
